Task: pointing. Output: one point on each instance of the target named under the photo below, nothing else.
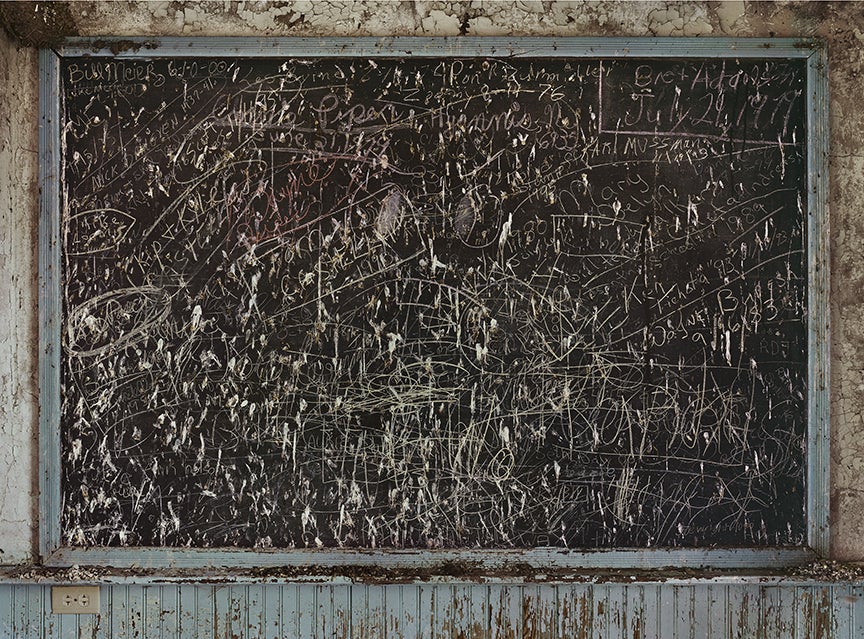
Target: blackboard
(434, 303)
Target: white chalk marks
(497, 303)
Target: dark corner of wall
(37, 24)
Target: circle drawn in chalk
(114, 319)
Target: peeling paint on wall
(475, 611)
(18, 408)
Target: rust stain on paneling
(741, 630)
(816, 613)
(503, 624)
(540, 614)
(509, 611)
(460, 623)
(342, 623)
(617, 616)
(529, 619)
(586, 613)
(823, 615)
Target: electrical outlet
(75, 600)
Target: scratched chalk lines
(426, 304)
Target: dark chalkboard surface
(434, 304)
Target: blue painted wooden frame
(320, 561)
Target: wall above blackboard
(452, 302)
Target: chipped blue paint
(273, 611)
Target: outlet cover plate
(75, 600)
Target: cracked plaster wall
(18, 267)
(840, 23)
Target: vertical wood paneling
(751, 612)
(18, 607)
(772, 611)
(506, 610)
(667, 610)
(238, 610)
(324, 618)
(788, 604)
(700, 603)
(222, 611)
(205, 609)
(24, 624)
(737, 600)
(803, 613)
(682, 612)
(38, 600)
(290, 617)
(6, 616)
(341, 605)
(426, 610)
(135, 599)
(307, 610)
(187, 619)
(717, 614)
(856, 612)
(651, 598)
(376, 612)
(616, 598)
(87, 626)
(455, 607)
(117, 611)
(255, 614)
(479, 612)
(635, 606)
(171, 611)
(467, 608)
(547, 607)
(67, 626)
(600, 612)
(272, 610)
(823, 613)
(468, 611)
(49, 623)
(392, 597)
(844, 602)
(358, 611)
(574, 611)
(395, 612)
(153, 612)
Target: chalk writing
(426, 304)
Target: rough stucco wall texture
(840, 23)
(18, 285)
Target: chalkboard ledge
(417, 564)
(805, 574)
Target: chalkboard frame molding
(417, 562)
